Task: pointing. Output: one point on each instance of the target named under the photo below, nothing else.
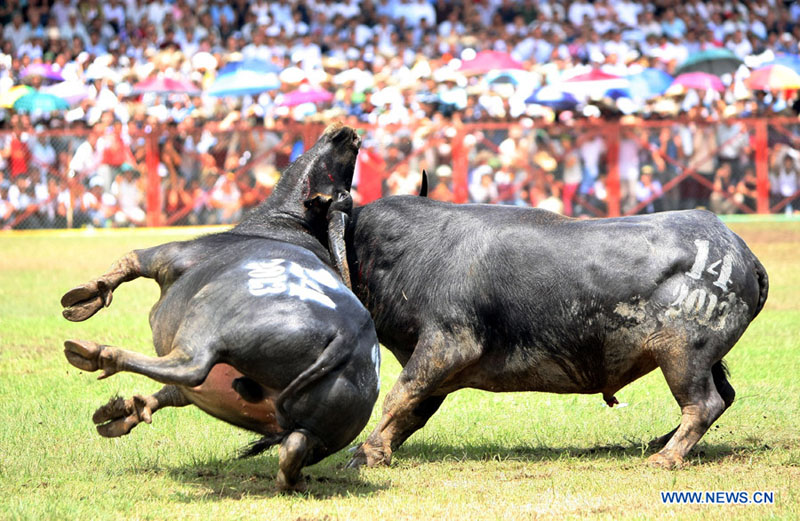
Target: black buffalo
(254, 325)
(511, 299)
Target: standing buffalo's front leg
(118, 417)
(163, 263)
(411, 402)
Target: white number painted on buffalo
(277, 276)
(701, 302)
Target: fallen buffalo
(253, 325)
(511, 299)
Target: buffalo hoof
(665, 461)
(84, 301)
(369, 456)
(89, 356)
(286, 486)
(118, 417)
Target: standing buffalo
(510, 299)
(253, 325)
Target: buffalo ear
(423, 187)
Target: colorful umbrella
(553, 97)
(8, 98)
(773, 77)
(244, 78)
(298, 97)
(43, 70)
(72, 91)
(788, 60)
(40, 102)
(716, 61)
(699, 80)
(593, 84)
(158, 85)
(486, 61)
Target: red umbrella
(486, 61)
(699, 80)
(297, 97)
(165, 86)
(774, 77)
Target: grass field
(483, 456)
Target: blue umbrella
(649, 83)
(251, 64)
(40, 102)
(249, 77)
(243, 83)
(553, 97)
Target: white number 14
(724, 274)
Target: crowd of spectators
(393, 68)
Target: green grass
(482, 456)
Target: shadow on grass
(255, 477)
(433, 452)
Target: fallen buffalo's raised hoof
(254, 325)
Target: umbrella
(486, 61)
(72, 91)
(514, 76)
(717, 61)
(44, 70)
(165, 86)
(773, 77)
(553, 97)
(251, 64)
(699, 80)
(788, 60)
(40, 102)
(298, 97)
(593, 84)
(648, 83)
(8, 98)
(244, 78)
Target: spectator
(130, 197)
(785, 178)
(225, 199)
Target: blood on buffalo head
(313, 192)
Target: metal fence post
(153, 193)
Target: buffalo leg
(725, 390)
(163, 263)
(418, 418)
(701, 404)
(87, 299)
(118, 417)
(182, 366)
(292, 456)
(427, 369)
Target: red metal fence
(180, 174)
